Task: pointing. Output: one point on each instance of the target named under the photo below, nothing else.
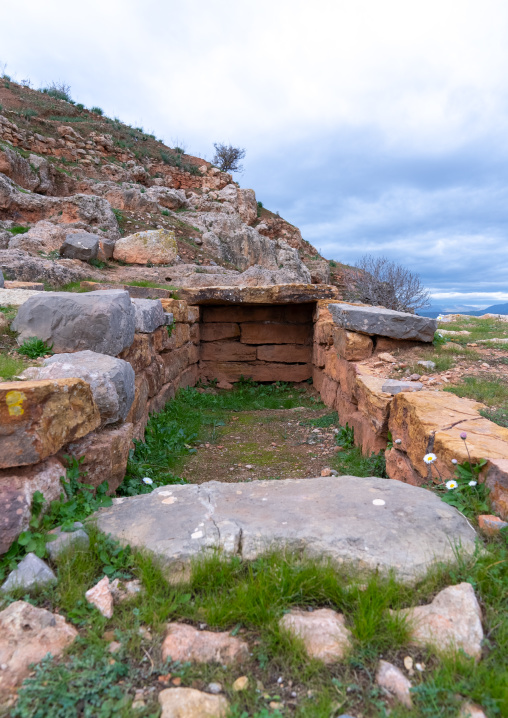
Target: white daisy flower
(147, 480)
(430, 458)
(451, 484)
(473, 483)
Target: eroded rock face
(27, 635)
(190, 703)
(155, 246)
(405, 530)
(185, 643)
(453, 621)
(101, 321)
(383, 322)
(22, 266)
(323, 632)
(111, 379)
(38, 417)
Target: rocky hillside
(65, 170)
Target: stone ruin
(115, 363)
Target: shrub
(18, 229)
(28, 113)
(97, 111)
(58, 90)
(227, 158)
(80, 106)
(377, 281)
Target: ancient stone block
(258, 371)
(38, 417)
(160, 340)
(139, 404)
(352, 346)
(175, 362)
(105, 455)
(111, 380)
(155, 375)
(177, 307)
(149, 315)
(495, 475)
(188, 377)
(395, 386)
(179, 336)
(318, 354)
(289, 353)
(332, 364)
(216, 331)
(227, 351)
(323, 332)
(195, 333)
(259, 333)
(238, 313)
(384, 322)
(373, 401)
(193, 314)
(317, 378)
(385, 344)
(101, 321)
(140, 354)
(328, 391)
(399, 467)
(17, 487)
(193, 353)
(159, 401)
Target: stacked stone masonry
(126, 358)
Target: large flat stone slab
(374, 523)
(383, 322)
(273, 294)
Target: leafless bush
(227, 157)
(377, 281)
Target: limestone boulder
(38, 417)
(322, 631)
(111, 379)
(101, 321)
(453, 621)
(169, 198)
(155, 246)
(383, 322)
(27, 635)
(149, 315)
(17, 487)
(185, 643)
(30, 572)
(80, 245)
(190, 703)
(372, 523)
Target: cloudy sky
(375, 126)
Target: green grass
(323, 422)
(490, 390)
(352, 462)
(192, 416)
(248, 599)
(18, 229)
(10, 366)
(151, 285)
(478, 328)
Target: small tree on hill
(377, 281)
(227, 158)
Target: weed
(80, 107)
(97, 111)
(346, 437)
(34, 348)
(18, 229)
(28, 113)
(98, 263)
(332, 263)
(165, 212)
(10, 367)
(498, 416)
(323, 422)
(58, 90)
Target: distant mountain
(434, 312)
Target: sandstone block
(159, 401)
(491, 525)
(322, 631)
(258, 371)
(452, 621)
(495, 475)
(140, 402)
(38, 417)
(101, 321)
(149, 315)
(238, 314)
(373, 401)
(332, 364)
(27, 635)
(195, 333)
(323, 332)
(155, 375)
(17, 487)
(188, 377)
(185, 643)
(328, 391)
(317, 378)
(227, 351)
(217, 331)
(105, 455)
(155, 246)
(258, 333)
(141, 352)
(180, 335)
(352, 346)
(175, 362)
(318, 355)
(399, 467)
(111, 380)
(160, 340)
(177, 307)
(30, 572)
(193, 314)
(190, 703)
(417, 417)
(384, 322)
(81, 245)
(289, 353)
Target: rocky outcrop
(23, 267)
(155, 246)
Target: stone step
(373, 523)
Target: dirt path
(268, 444)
